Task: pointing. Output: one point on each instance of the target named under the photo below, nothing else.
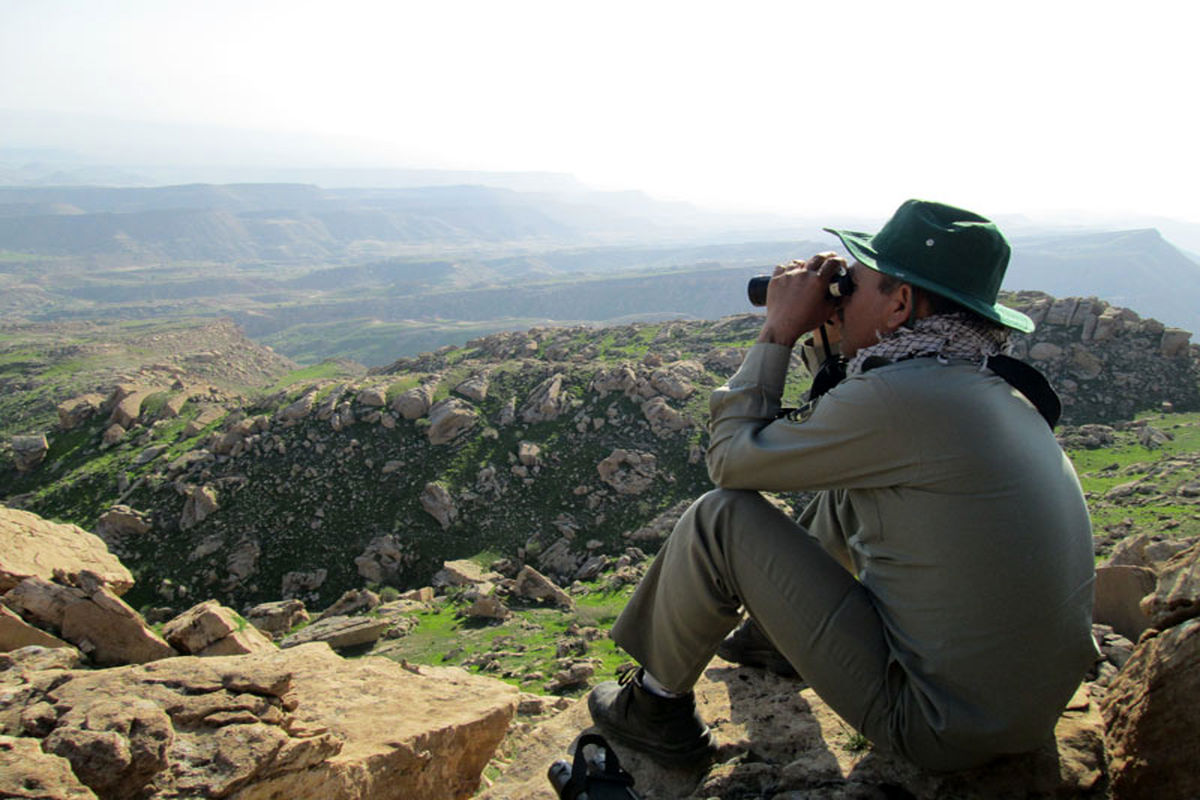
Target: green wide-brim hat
(945, 250)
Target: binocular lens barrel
(756, 290)
(841, 286)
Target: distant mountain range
(440, 264)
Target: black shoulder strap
(1027, 380)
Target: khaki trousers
(733, 549)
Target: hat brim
(859, 245)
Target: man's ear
(901, 306)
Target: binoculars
(840, 287)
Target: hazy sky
(791, 106)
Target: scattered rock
(210, 629)
(533, 585)
(200, 504)
(383, 559)
(354, 601)
(475, 387)
(628, 471)
(439, 504)
(74, 411)
(277, 618)
(529, 454)
(460, 573)
(29, 451)
(297, 584)
(339, 632)
(449, 419)
(488, 607)
(122, 521)
(372, 397)
(415, 403)
(547, 401)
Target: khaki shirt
(949, 498)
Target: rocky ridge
(553, 446)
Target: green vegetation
(332, 369)
(530, 642)
(1162, 479)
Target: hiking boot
(667, 729)
(749, 646)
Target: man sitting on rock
(937, 593)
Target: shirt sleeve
(852, 437)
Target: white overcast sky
(790, 106)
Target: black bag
(595, 777)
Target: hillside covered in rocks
(553, 447)
(95, 703)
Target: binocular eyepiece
(840, 287)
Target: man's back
(979, 554)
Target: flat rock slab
(34, 547)
(340, 632)
(777, 739)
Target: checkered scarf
(956, 335)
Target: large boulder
(1118, 596)
(301, 723)
(90, 617)
(383, 559)
(77, 409)
(1153, 730)
(546, 401)
(533, 585)
(352, 601)
(278, 617)
(127, 408)
(777, 738)
(120, 522)
(201, 503)
(211, 629)
(628, 471)
(415, 402)
(439, 504)
(1177, 594)
(450, 418)
(34, 547)
(340, 632)
(29, 451)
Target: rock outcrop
(1153, 731)
(90, 617)
(300, 723)
(777, 738)
(34, 547)
(1150, 709)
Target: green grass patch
(526, 643)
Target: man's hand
(798, 298)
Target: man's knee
(720, 510)
(716, 501)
